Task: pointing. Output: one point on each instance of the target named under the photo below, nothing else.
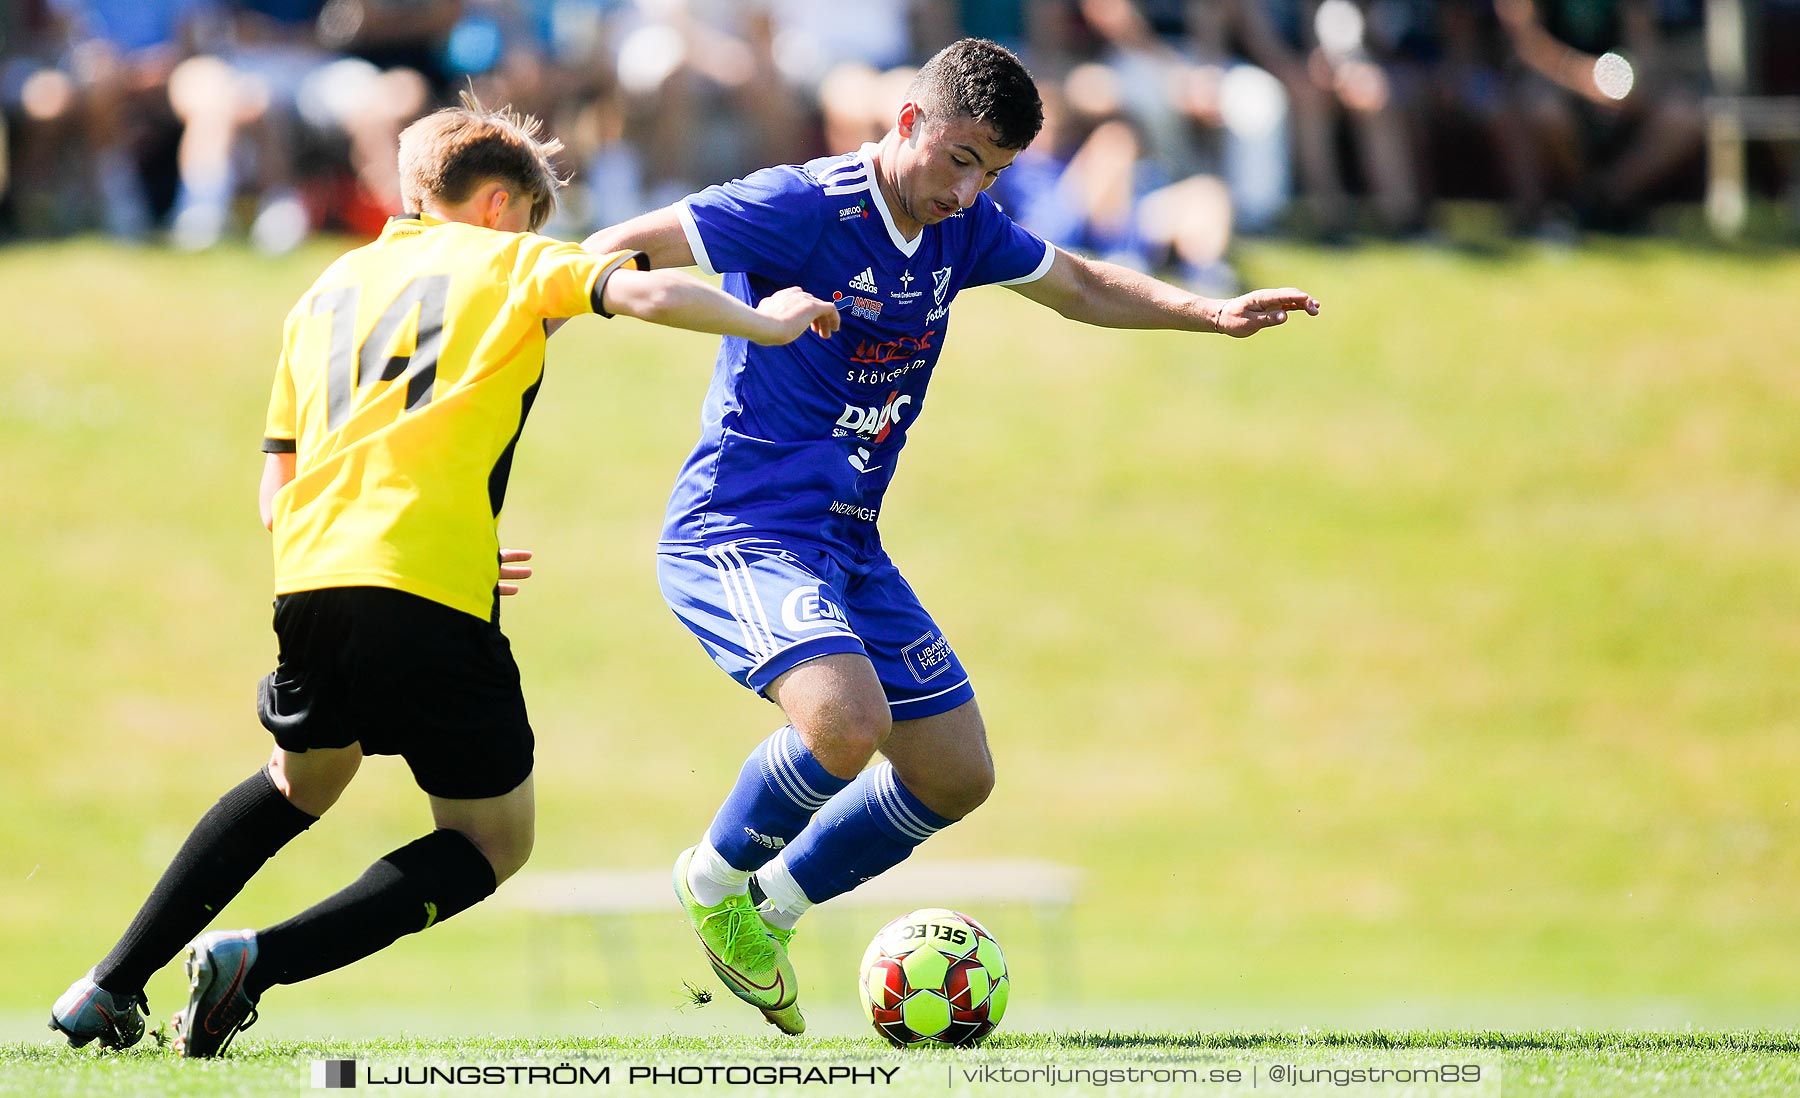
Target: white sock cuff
(711, 878)
(782, 890)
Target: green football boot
(788, 1021)
(752, 964)
(782, 935)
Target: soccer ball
(934, 977)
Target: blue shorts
(761, 607)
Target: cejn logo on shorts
(805, 609)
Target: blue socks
(864, 831)
(777, 792)
(830, 834)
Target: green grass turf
(1428, 663)
(1537, 1063)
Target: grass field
(1426, 666)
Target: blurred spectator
(857, 103)
(1175, 123)
(40, 113)
(702, 96)
(552, 59)
(272, 92)
(812, 36)
(1088, 185)
(410, 35)
(1613, 99)
(84, 88)
(1041, 33)
(399, 61)
(1079, 183)
(121, 53)
(855, 70)
(1337, 75)
(1476, 110)
(1201, 110)
(248, 86)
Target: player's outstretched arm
(658, 234)
(1111, 296)
(682, 301)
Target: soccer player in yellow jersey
(405, 377)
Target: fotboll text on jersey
(871, 422)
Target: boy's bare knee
(312, 781)
(507, 851)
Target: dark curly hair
(985, 81)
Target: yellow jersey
(405, 377)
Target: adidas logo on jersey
(865, 281)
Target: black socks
(424, 882)
(225, 849)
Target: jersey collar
(408, 221)
(907, 247)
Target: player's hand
(511, 568)
(1259, 309)
(791, 312)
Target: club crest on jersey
(872, 423)
(940, 288)
(806, 609)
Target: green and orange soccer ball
(934, 977)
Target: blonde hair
(446, 155)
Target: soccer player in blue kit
(770, 552)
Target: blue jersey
(802, 440)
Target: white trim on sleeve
(692, 231)
(1043, 268)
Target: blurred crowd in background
(1170, 124)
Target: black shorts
(400, 675)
